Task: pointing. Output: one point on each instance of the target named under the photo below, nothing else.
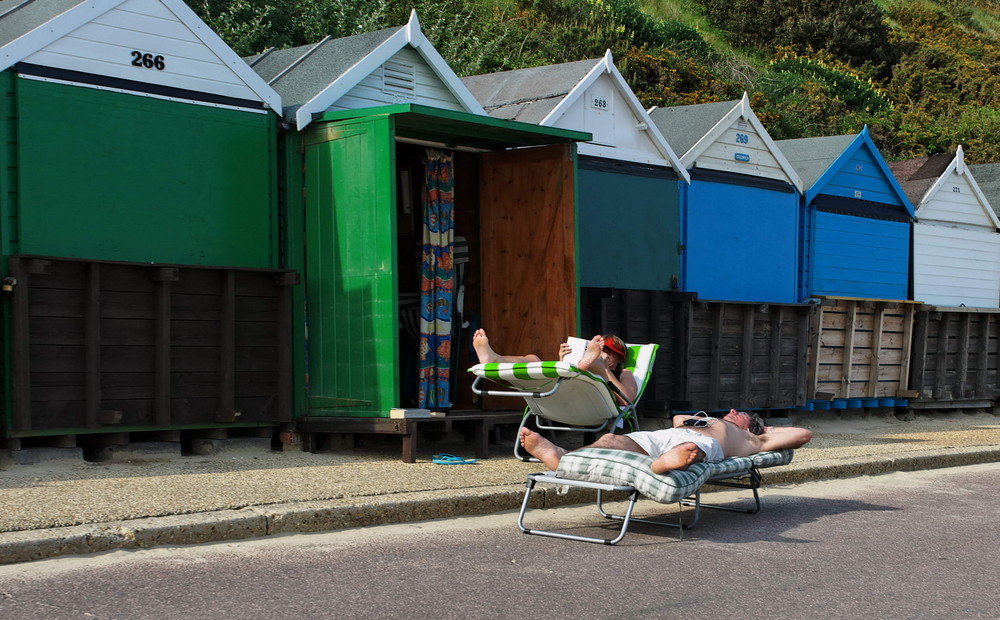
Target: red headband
(612, 346)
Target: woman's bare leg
(487, 355)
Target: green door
(629, 227)
(350, 268)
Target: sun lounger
(560, 396)
(629, 472)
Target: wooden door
(528, 249)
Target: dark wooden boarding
(713, 355)
(479, 425)
(955, 357)
(101, 345)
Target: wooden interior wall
(861, 349)
(100, 345)
(713, 355)
(528, 249)
(955, 355)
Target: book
(578, 346)
(399, 414)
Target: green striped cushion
(620, 467)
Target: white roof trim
(225, 53)
(411, 35)
(607, 65)
(52, 30)
(85, 12)
(742, 110)
(959, 167)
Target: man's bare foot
(591, 359)
(677, 457)
(541, 448)
(483, 349)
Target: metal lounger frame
(748, 479)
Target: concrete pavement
(53, 508)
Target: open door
(350, 268)
(528, 249)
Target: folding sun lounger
(560, 396)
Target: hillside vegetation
(923, 75)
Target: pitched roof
(684, 125)
(527, 95)
(811, 157)
(31, 26)
(301, 73)
(311, 78)
(916, 176)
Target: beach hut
(418, 217)
(626, 169)
(741, 214)
(140, 231)
(956, 244)
(856, 224)
(956, 271)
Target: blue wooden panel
(862, 173)
(628, 231)
(742, 243)
(859, 257)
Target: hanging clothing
(437, 275)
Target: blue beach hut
(856, 219)
(740, 220)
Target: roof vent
(399, 79)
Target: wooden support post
(983, 356)
(904, 365)
(227, 349)
(715, 370)
(941, 361)
(161, 363)
(962, 358)
(802, 386)
(777, 324)
(746, 355)
(20, 348)
(92, 346)
(848, 361)
(876, 351)
(919, 364)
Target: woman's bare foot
(678, 457)
(592, 355)
(541, 448)
(483, 349)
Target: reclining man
(692, 439)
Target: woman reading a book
(602, 356)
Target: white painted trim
(85, 12)
(410, 34)
(959, 167)
(225, 53)
(742, 110)
(112, 89)
(444, 70)
(607, 65)
(56, 28)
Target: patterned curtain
(436, 281)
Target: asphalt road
(906, 545)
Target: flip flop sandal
(443, 458)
